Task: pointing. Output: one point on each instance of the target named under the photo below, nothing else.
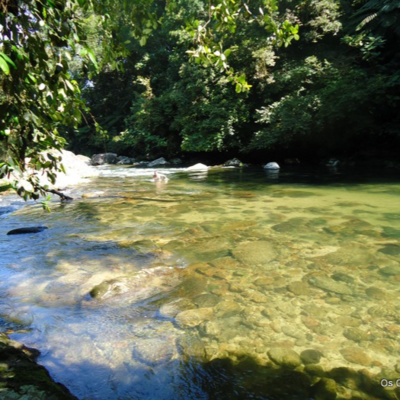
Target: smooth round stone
(375, 293)
(154, 350)
(356, 356)
(310, 356)
(330, 285)
(357, 335)
(390, 270)
(390, 249)
(194, 317)
(293, 332)
(170, 310)
(284, 357)
(255, 253)
(299, 288)
(206, 300)
(228, 308)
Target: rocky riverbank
(22, 378)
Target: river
(226, 284)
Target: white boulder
(272, 165)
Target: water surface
(231, 283)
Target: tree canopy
(49, 47)
(149, 78)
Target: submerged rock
(330, 285)
(31, 229)
(284, 357)
(171, 309)
(310, 356)
(255, 253)
(108, 288)
(154, 350)
(356, 356)
(191, 318)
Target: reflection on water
(230, 284)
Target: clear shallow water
(219, 285)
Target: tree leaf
(4, 66)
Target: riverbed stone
(256, 253)
(284, 357)
(206, 300)
(228, 308)
(108, 289)
(171, 309)
(310, 356)
(30, 229)
(390, 270)
(324, 389)
(357, 335)
(390, 249)
(154, 350)
(375, 293)
(356, 356)
(194, 317)
(330, 285)
(299, 288)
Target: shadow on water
(222, 379)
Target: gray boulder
(272, 165)
(104, 158)
(123, 160)
(234, 162)
(158, 162)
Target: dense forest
(304, 79)
(332, 92)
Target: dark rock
(234, 162)
(390, 270)
(108, 289)
(31, 229)
(324, 389)
(122, 160)
(22, 378)
(159, 162)
(390, 249)
(104, 158)
(310, 356)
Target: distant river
(226, 284)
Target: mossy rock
(21, 377)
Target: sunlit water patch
(229, 284)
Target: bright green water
(212, 286)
